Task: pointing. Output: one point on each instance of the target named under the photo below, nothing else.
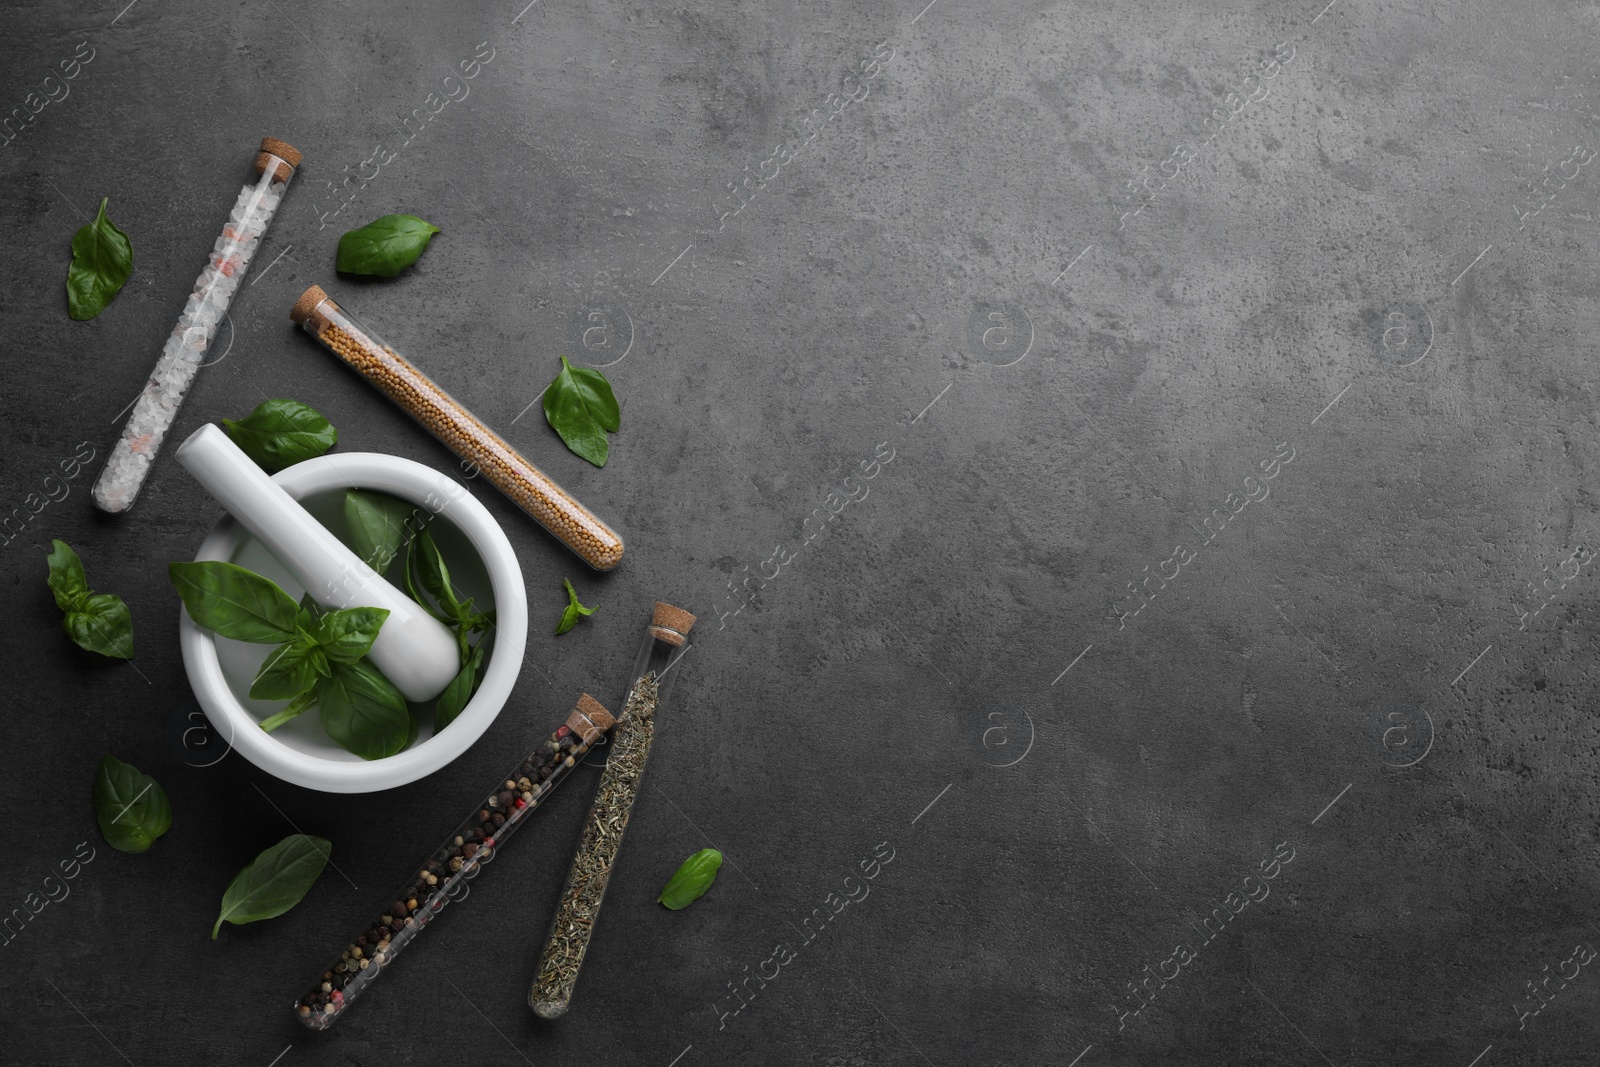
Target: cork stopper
(286, 152)
(590, 719)
(670, 624)
(307, 304)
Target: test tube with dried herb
(665, 643)
(443, 878)
(458, 429)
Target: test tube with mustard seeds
(458, 429)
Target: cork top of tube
(596, 712)
(307, 304)
(670, 624)
(271, 146)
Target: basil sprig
(102, 259)
(281, 432)
(274, 881)
(385, 246)
(132, 808)
(378, 525)
(98, 622)
(580, 406)
(320, 660)
(425, 566)
(692, 879)
(573, 612)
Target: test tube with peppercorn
(444, 877)
(458, 429)
(665, 643)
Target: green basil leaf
(287, 672)
(410, 568)
(692, 879)
(385, 246)
(580, 406)
(297, 707)
(377, 525)
(102, 259)
(274, 881)
(363, 711)
(574, 610)
(435, 575)
(281, 432)
(95, 622)
(102, 624)
(67, 581)
(345, 636)
(132, 808)
(310, 611)
(234, 602)
(460, 689)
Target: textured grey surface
(950, 271)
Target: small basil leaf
(281, 432)
(132, 808)
(345, 636)
(410, 568)
(459, 691)
(102, 259)
(385, 246)
(377, 526)
(297, 707)
(363, 711)
(235, 602)
(435, 575)
(574, 610)
(286, 673)
(102, 624)
(580, 406)
(692, 879)
(67, 581)
(274, 881)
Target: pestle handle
(414, 650)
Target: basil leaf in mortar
(274, 881)
(97, 622)
(385, 246)
(377, 524)
(460, 689)
(281, 432)
(297, 707)
(102, 259)
(289, 670)
(347, 635)
(435, 575)
(580, 406)
(132, 808)
(574, 610)
(363, 711)
(235, 602)
(692, 879)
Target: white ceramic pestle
(414, 650)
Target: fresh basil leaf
(385, 246)
(692, 879)
(310, 611)
(132, 808)
(102, 259)
(95, 622)
(102, 624)
(377, 525)
(67, 581)
(345, 636)
(274, 881)
(580, 406)
(281, 432)
(435, 575)
(574, 610)
(363, 711)
(287, 672)
(297, 707)
(411, 567)
(234, 602)
(460, 689)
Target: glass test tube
(458, 429)
(174, 372)
(664, 644)
(444, 877)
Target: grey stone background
(1384, 666)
